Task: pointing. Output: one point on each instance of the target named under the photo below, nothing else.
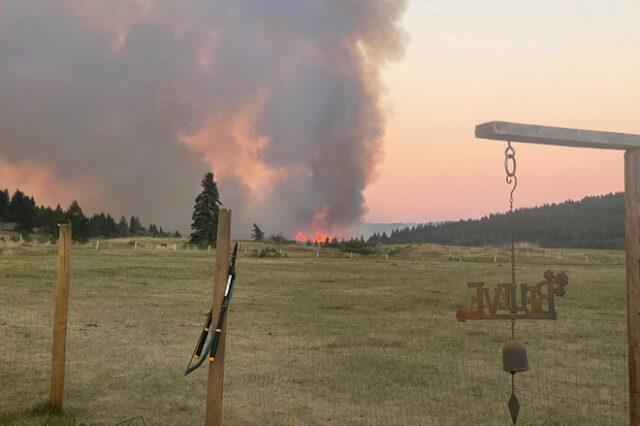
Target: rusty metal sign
(508, 302)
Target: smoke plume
(132, 101)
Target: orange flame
(319, 238)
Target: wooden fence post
(632, 243)
(216, 368)
(56, 393)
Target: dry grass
(334, 340)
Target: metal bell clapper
(514, 360)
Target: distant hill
(593, 222)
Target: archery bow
(212, 347)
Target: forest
(29, 217)
(593, 222)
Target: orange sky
(40, 181)
(563, 63)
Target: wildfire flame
(319, 237)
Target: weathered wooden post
(632, 244)
(630, 143)
(216, 369)
(56, 393)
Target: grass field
(328, 341)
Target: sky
(558, 63)
(568, 63)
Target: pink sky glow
(569, 64)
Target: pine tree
(15, 206)
(256, 233)
(23, 210)
(123, 227)
(111, 227)
(57, 216)
(135, 226)
(79, 222)
(205, 214)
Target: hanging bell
(514, 356)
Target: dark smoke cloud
(144, 96)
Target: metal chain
(512, 179)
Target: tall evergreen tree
(15, 206)
(57, 216)
(135, 227)
(111, 227)
(123, 227)
(79, 223)
(205, 214)
(23, 210)
(256, 233)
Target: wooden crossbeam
(548, 135)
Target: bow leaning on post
(212, 347)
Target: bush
(269, 251)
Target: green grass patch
(312, 341)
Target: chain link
(511, 178)
(510, 162)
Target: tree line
(23, 210)
(593, 222)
